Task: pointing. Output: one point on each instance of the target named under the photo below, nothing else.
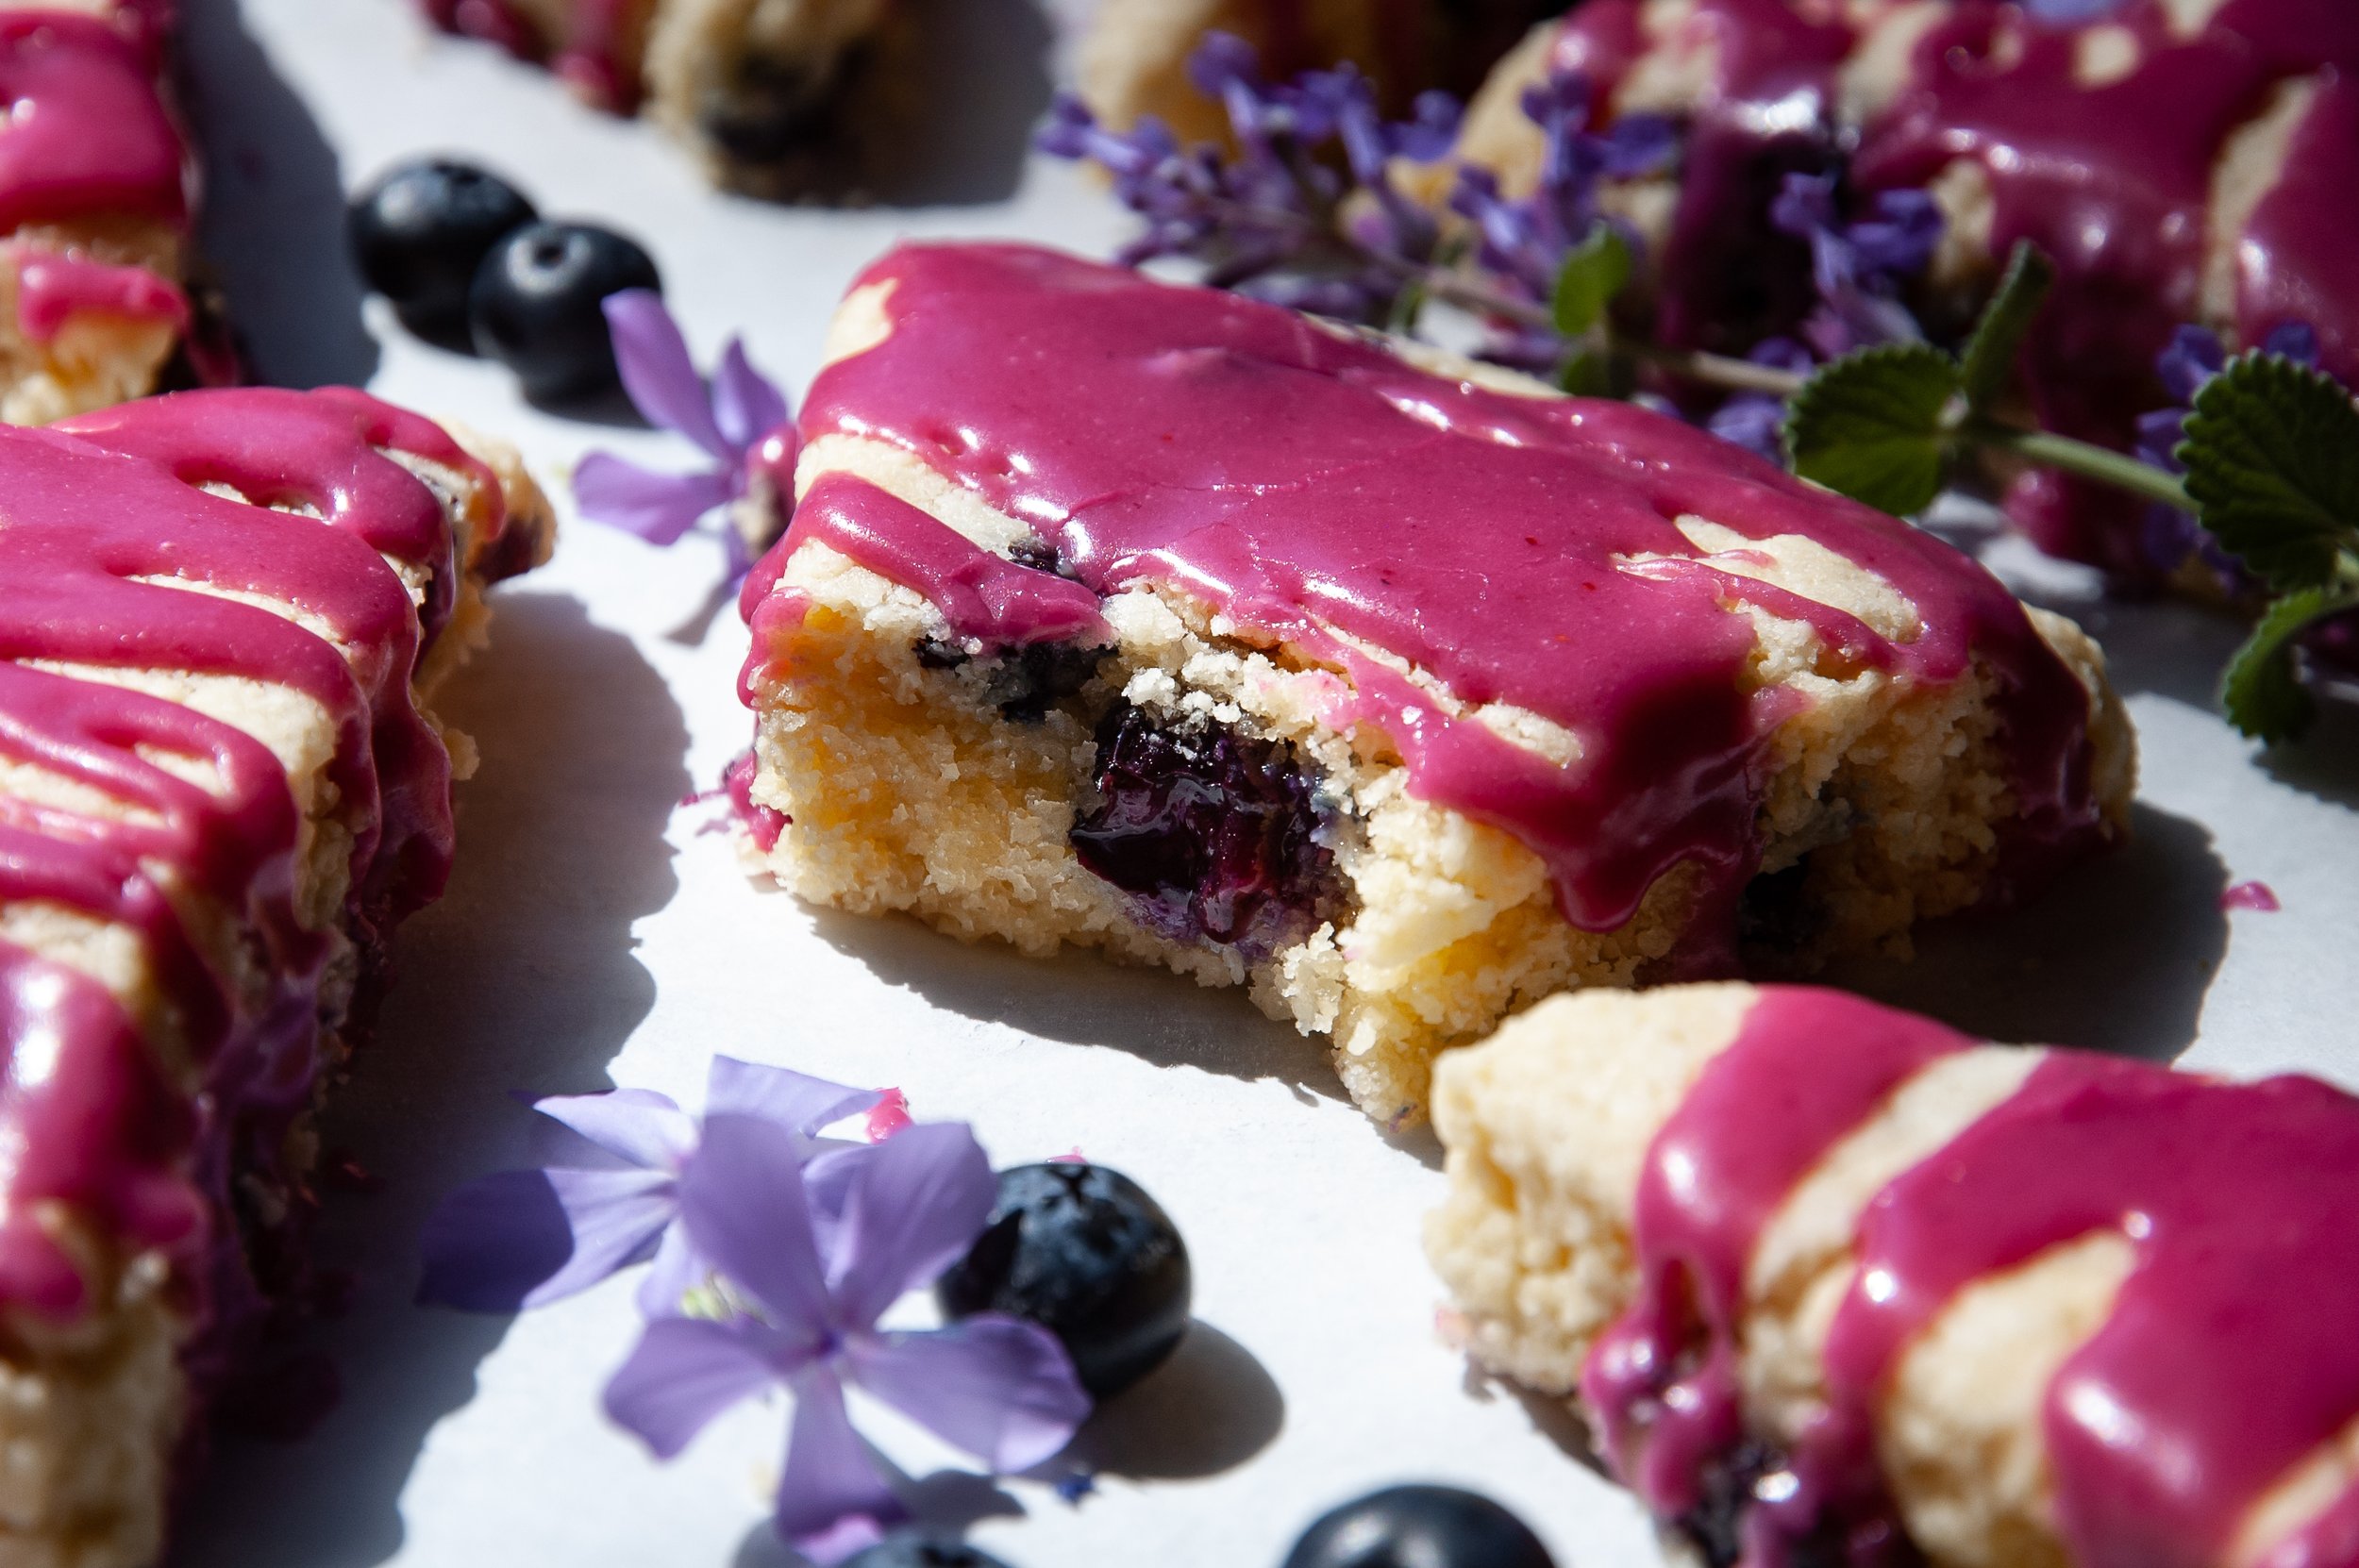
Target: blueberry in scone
(1406, 695)
(223, 617)
(1834, 1283)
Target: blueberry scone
(1134, 57)
(95, 211)
(772, 97)
(2179, 160)
(1837, 1285)
(1170, 622)
(222, 616)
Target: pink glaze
(94, 1118)
(2227, 1358)
(52, 289)
(987, 598)
(591, 54)
(2113, 182)
(763, 823)
(85, 134)
(1317, 490)
(889, 1116)
(2251, 895)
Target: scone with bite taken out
(1176, 624)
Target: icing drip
(51, 289)
(2224, 1362)
(1316, 491)
(2113, 180)
(103, 519)
(85, 134)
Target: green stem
(2084, 459)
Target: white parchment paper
(597, 931)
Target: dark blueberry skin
(420, 233)
(1086, 1254)
(1419, 1526)
(906, 1552)
(535, 305)
(1212, 833)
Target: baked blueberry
(535, 305)
(1086, 1254)
(910, 1552)
(1419, 1526)
(420, 233)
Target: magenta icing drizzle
(1316, 490)
(2227, 1359)
(587, 54)
(95, 1120)
(52, 289)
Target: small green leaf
(1990, 354)
(2272, 460)
(1589, 375)
(1874, 425)
(1593, 273)
(2261, 691)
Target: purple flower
(740, 421)
(1859, 266)
(1757, 419)
(519, 1239)
(798, 1304)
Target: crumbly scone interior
(909, 791)
(92, 1408)
(1546, 1128)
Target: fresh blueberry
(421, 231)
(535, 305)
(1419, 1526)
(907, 1552)
(1086, 1254)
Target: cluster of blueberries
(1084, 1252)
(467, 262)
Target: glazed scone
(222, 614)
(1826, 1277)
(1134, 59)
(776, 97)
(95, 213)
(1165, 621)
(2174, 158)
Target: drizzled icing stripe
(2227, 1358)
(1315, 489)
(106, 543)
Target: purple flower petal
(677, 1269)
(917, 1202)
(523, 1239)
(2297, 341)
(658, 508)
(830, 1479)
(639, 1125)
(742, 1201)
(793, 1100)
(1002, 1389)
(747, 404)
(681, 1374)
(2194, 355)
(1752, 419)
(657, 371)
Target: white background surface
(597, 931)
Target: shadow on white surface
(1082, 999)
(1211, 1407)
(2117, 955)
(273, 224)
(522, 977)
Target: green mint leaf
(1990, 354)
(1874, 425)
(1408, 305)
(1593, 272)
(2272, 460)
(2261, 691)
